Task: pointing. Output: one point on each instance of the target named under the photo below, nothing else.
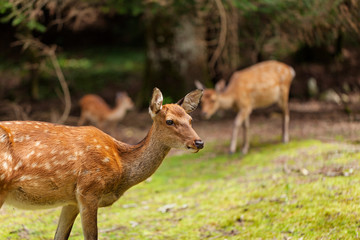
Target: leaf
(4, 6)
(18, 20)
(34, 25)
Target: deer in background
(260, 85)
(98, 112)
(44, 165)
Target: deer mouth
(192, 149)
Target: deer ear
(220, 85)
(190, 102)
(156, 102)
(199, 85)
(119, 94)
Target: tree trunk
(176, 55)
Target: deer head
(123, 99)
(174, 122)
(210, 100)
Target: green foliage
(5, 6)
(290, 24)
(91, 70)
(20, 14)
(124, 7)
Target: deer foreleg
(2, 199)
(82, 119)
(88, 213)
(284, 104)
(246, 144)
(66, 221)
(240, 117)
(286, 120)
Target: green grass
(306, 189)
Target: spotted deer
(44, 165)
(258, 86)
(98, 112)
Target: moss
(217, 196)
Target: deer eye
(169, 122)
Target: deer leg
(66, 221)
(81, 120)
(2, 199)
(240, 117)
(246, 144)
(88, 213)
(286, 118)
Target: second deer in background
(260, 85)
(95, 110)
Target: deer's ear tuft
(199, 85)
(156, 102)
(190, 102)
(220, 85)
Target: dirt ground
(326, 121)
(308, 120)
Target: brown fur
(258, 86)
(95, 110)
(44, 165)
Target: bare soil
(308, 120)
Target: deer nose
(199, 144)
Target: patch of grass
(305, 189)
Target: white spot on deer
(5, 165)
(37, 143)
(3, 138)
(107, 147)
(7, 123)
(46, 130)
(53, 151)
(95, 140)
(72, 158)
(47, 166)
(18, 123)
(98, 146)
(79, 153)
(7, 156)
(20, 139)
(27, 137)
(24, 178)
(36, 126)
(29, 123)
(34, 165)
(39, 154)
(56, 162)
(30, 154)
(18, 165)
(106, 160)
(2, 176)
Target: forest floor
(320, 120)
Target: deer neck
(226, 99)
(117, 113)
(142, 160)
